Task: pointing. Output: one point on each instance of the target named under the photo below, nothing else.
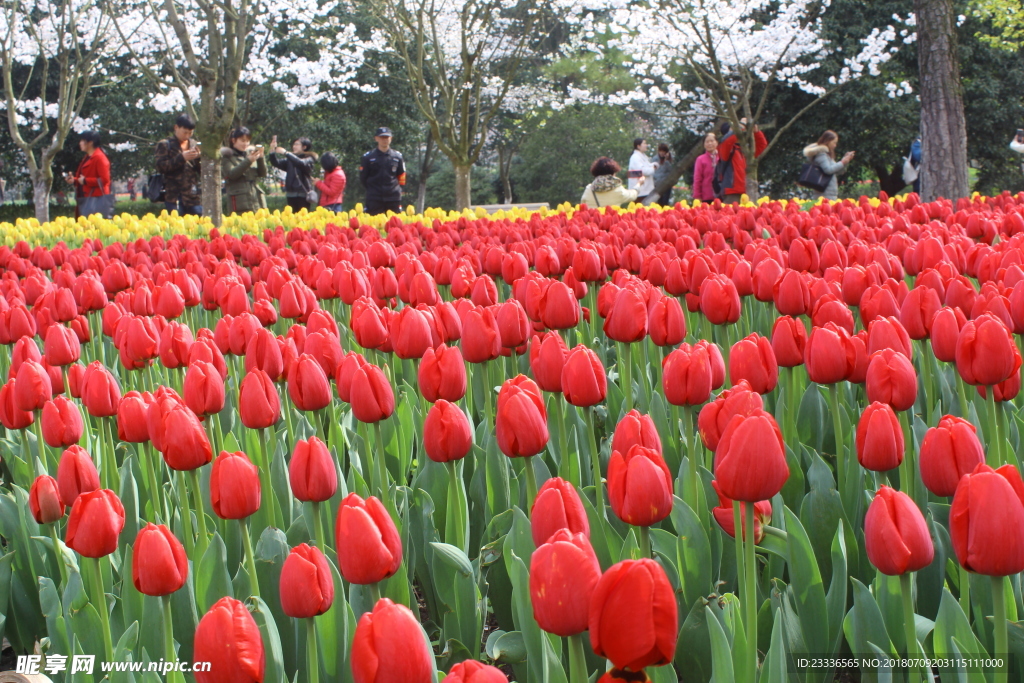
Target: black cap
(383, 130)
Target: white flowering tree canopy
(302, 48)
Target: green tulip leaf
(273, 671)
(54, 615)
(693, 554)
(508, 647)
(87, 627)
(884, 672)
(864, 626)
(453, 557)
(721, 650)
(807, 587)
(213, 581)
(835, 600)
(776, 659)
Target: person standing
(332, 187)
(382, 175)
(823, 155)
(641, 170)
(3, 183)
(243, 165)
(177, 158)
(704, 170)
(661, 173)
(298, 167)
(1017, 145)
(92, 179)
(733, 182)
(131, 189)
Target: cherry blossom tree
(51, 54)
(195, 53)
(720, 60)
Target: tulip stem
(1001, 650)
(645, 543)
(837, 426)
(250, 560)
(531, 482)
(750, 594)
(909, 619)
(186, 515)
(595, 461)
(197, 495)
(59, 555)
(488, 393)
(961, 392)
(313, 659)
(577, 660)
(737, 518)
(454, 533)
(567, 470)
(992, 437)
(266, 485)
(382, 470)
(965, 592)
(374, 589)
(152, 462)
(926, 378)
(40, 444)
(99, 598)
(791, 408)
(318, 528)
(693, 478)
(169, 654)
(625, 375)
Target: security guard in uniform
(382, 174)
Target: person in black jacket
(382, 174)
(298, 166)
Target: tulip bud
(829, 356)
(371, 395)
(750, 462)
(985, 352)
(234, 486)
(667, 324)
(651, 636)
(389, 645)
(32, 388)
(985, 520)
(948, 452)
(62, 346)
(94, 524)
(44, 500)
(789, 340)
(880, 444)
(259, 405)
(442, 374)
(446, 432)
(891, 379)
(76, 474)
(896, 535)
(547, 359)
(635, 429)
(203, 389)
(307, 384)
(369, 547)
(723, 514)
(639, 486)
(11, 416)
(627, 319)
(520, 423)
(307, 587)
(557, 506)
(311, 471)
(228, 638)
(752, 359)
(100, 391)
(563, 574)
(584, 382)
(159, 563)
(687, 376)
(132, 415)
(715, 416)
(62, 423)
(944, 333)
(472, 671)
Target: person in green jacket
(242, 166)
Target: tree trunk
(421, 186)
(504, 168)
(943, 128)
(753, 191)
(42, 183)
(463, 187)
(210, 187)
(684, 164)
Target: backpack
(813, 178)
(723, 178)
(154, 190)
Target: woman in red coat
(332, 187)
(92, 179)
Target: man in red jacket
(734, 184)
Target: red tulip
(945, 331)
(11, 416)
(635, 429)
(753, 360)
(472, 671)
(715, 416)
(985, 521)
(918, 310)
(627, 319)
(888, 333)
(481, 339)
(880, 444)
(829, 355)
(667, 324)
(371, 395)
(719, 300)
(177, 433)
(100, 392)
(687, 376)
(132, 412)
(583, 378)
(259, 405)
(750, 462)
(32, 388)
(94, 524)
(159, 563)
(203, 389)
(367, 324)
(442, 374)
(650, 639)
(307, 587)
(791, 294)
(308, 386)
(563, 575)
(639, 486)
(228, 638)
(896, 535)
(547, 359)
(389, 647)
(723, 514)
(520, 423)
(263, 352)
(76, 474)
(789, 340)
(557, 506)
(44, 500)
(62, 423)
(446, 432)
(948, 452)
(62, 346)
(985, 352)
(559, 308)
(410, 333)
(513, 324)
(891, 379)
(311, 471)
(369, 547)
(175, 345)
(234, 486)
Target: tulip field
(324, 447)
